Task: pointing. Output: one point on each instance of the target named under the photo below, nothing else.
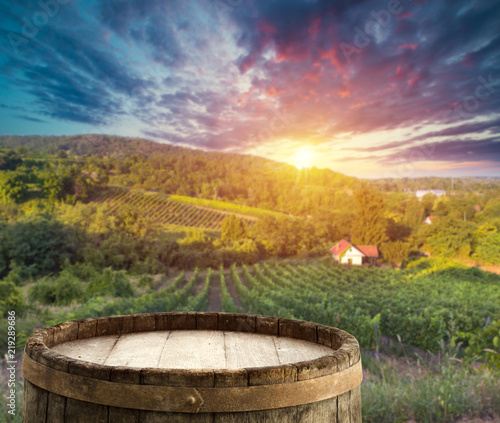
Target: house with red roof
(430, 219)
(346, 253)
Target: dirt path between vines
(214, 301)
(232, 290)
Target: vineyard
(166, 211)
(433, 305)
(423, 306)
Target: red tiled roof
(368, 250)
(431, 218)
(340, 247)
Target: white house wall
(355, 259)
(354, 255)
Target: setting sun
(304, 158)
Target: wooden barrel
(191, 367)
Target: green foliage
(488, 250)
(200, 301)
(110, 283)
(67, 288)
(233, 229)
(60, 291)
(395, 252)
(152, 209)
(9, 160)
(414, 213)
(195, 238)
(40, 245)
(13, 187)
(225, 206)
(450, 237)
(11, 298)
(146, 281)
(64, 181)
(370, 224)
(418, 304)
(428, 201)
(484, 343)
(18, 275)
(425, 393)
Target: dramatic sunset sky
(366, 88)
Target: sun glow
(304, 158)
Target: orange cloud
(413, 81)
(332, 55)
(271, 92)
(344, 93)
(355, 106)
(312, 75)
(408, 45)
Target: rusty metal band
(191, 400)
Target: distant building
(421, 192)
(430, 219)
(346, 253)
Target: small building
(437, 192)
(346, 253)
(430, 219)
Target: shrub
(112, 283)
(61, 291)
(11, 298)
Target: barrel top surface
(192, 350)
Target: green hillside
(246, 180)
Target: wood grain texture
(35, 404)
(158, 417)
(123, 415)
(193, 350)
(295, 350)
(87, 328)
(130, 350)
(322, 411)
(249, 350)
(56, 407)
(95, 350)
(356, 405)
(282, 415)
(84, 412)
(231, 418)
(343, 400)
